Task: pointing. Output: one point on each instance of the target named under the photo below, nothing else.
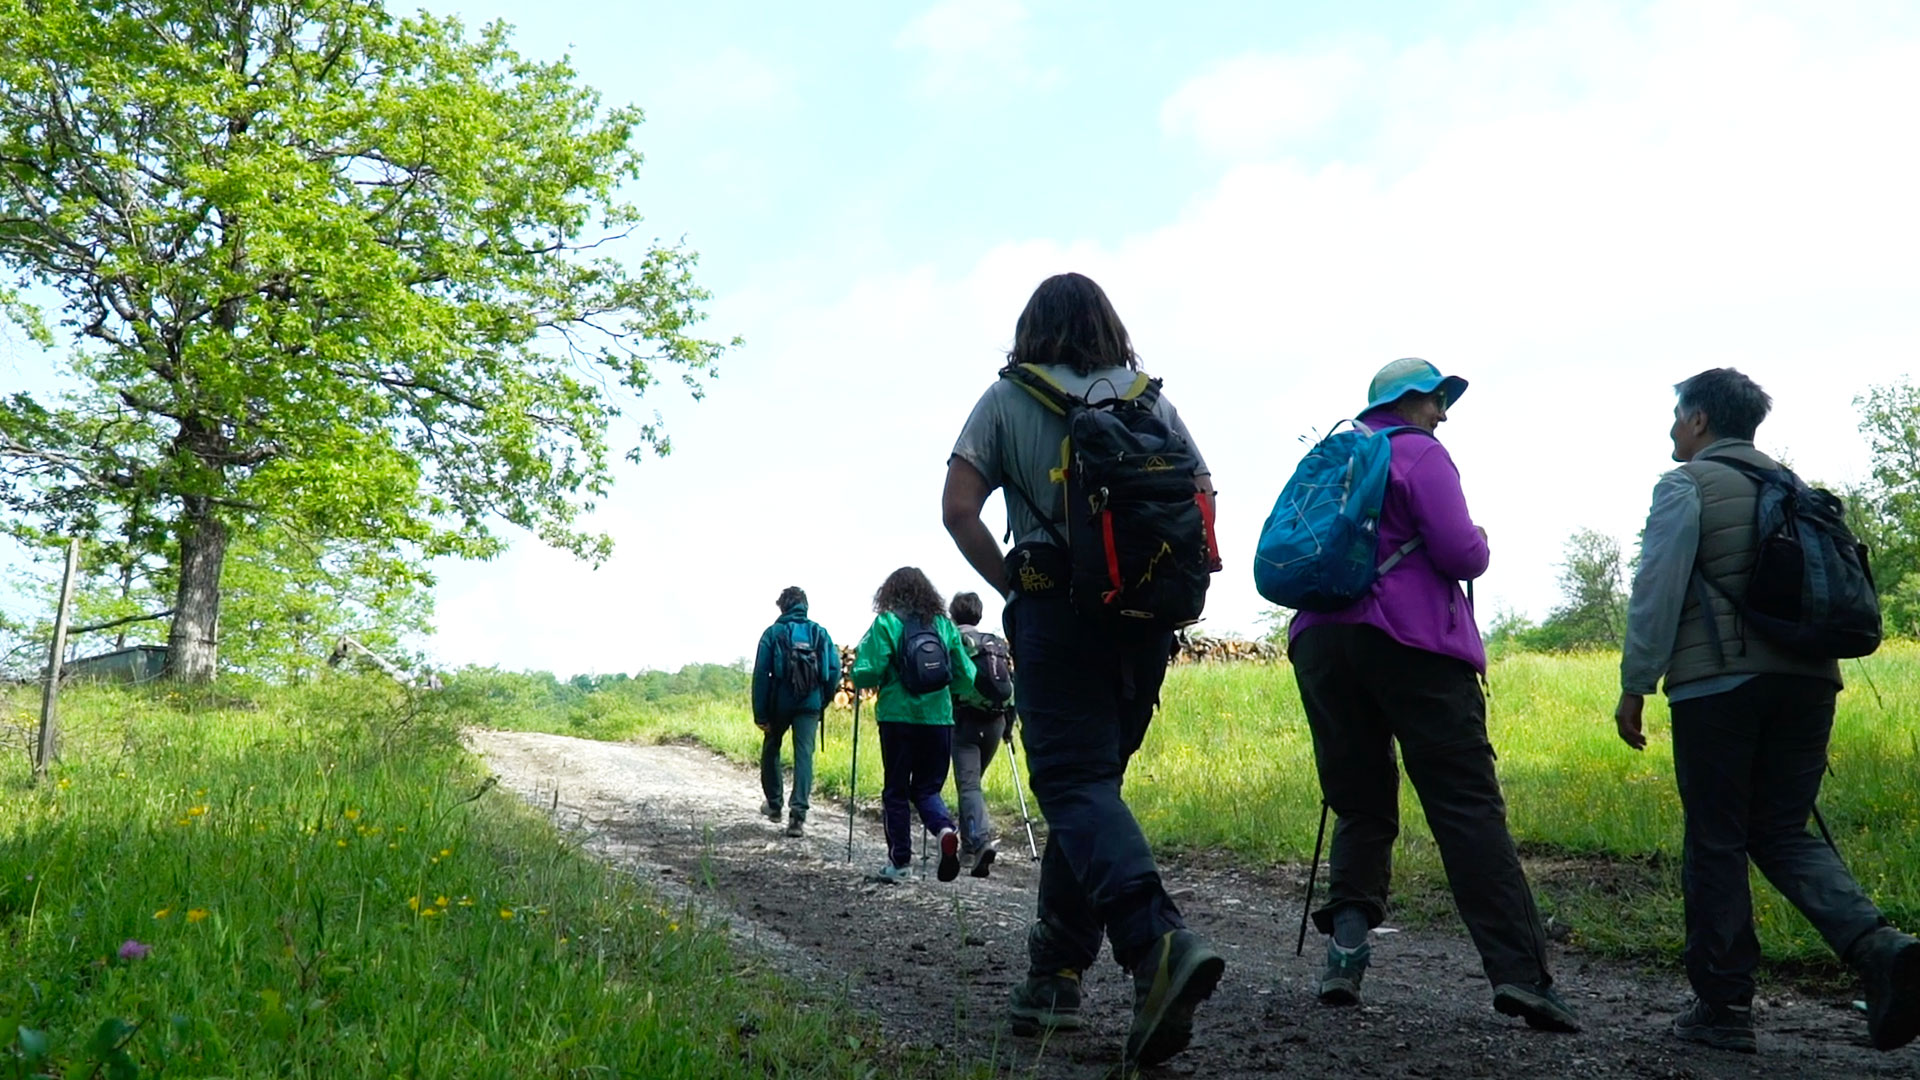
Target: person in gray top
(1751, 721)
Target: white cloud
(1251, 103)
(972, 46)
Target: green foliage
(1885, 513)
(320, 884)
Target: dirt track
(934, 961)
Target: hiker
(981, 718)
(1402, 664)
(1751, 717)
(1085, 685)
(913, 653)
(796, 672)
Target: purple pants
(915, 759)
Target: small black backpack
(1811, 591)
(993, 666)
(1139, 537)
(801, 656)
(922, 659)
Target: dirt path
(934, 962)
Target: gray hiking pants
(976, 737)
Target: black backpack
(801, 658)
(1811, 591)
(992, 665)
(922, 659)
(1139, 537)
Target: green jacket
(873, 665)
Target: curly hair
(907, 592)
(1070, 321)
(789, 596)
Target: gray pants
(976, 736)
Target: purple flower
(133, 950)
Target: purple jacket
(1419, 602)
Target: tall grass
(1228, 765)
(323, 885)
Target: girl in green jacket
(902, 654)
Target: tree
(325, 268)
(1592, 613)
(1885, 512)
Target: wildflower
(199, 793)
(352, 815)
(672, 926)
(163, 913)
(131, 950)
(413, 903)
(446, 853)
(506, 913)
(339, 843)
(432, 913)
(65, 783)
(440, 901)
(184, 822)
(393, 847)
(466, 901)
(196, 811)
(196, 914)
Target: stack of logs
(1189, 648)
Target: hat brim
(1452, 385)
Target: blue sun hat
(1411, 375)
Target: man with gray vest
(1751, 721)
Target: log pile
(1191, 648)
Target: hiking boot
(892, 875)
(949, 855)
(983, 861)
(1178, 973)
(1889, 963)
(1340, 982)
(1046, 1003)
(1539, 1006)
(770, 812)
(1723, 1027)
(796, 826)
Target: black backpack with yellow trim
(1138, 535)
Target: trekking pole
(1025, 818)
(1824, 834)
(853, 775)
(1313, 870)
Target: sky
(1572, 206)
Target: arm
(874, 656)
(960, 505)
(1668, 549)
(829, 667)
(763, 678)
(1456, 546)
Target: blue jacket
(770, 668)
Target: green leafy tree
(326, 267)
(1592, 613)
(1885, 512)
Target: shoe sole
(1539, 1015)
(1028, 1025)
(1168, 1032)
(1339, 992)
(983, 863)
(1719, 1039)
(1901, 1024)
(949, 856)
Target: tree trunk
(192, 648)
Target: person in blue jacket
(796, 672)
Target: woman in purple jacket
(1404, 664)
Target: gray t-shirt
(1015, 441)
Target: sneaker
(1724, 1027)
(1179, 972)
(892, 875)
(1889, 962)
(1046, 1003)
(796, 826)
(949, 855)
(770, 812)
(983, 861)
(1340, 982)
(1539, 1006)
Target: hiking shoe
(1046, 1003)
(1340, 982)
(1723, 1027)
(1179, 972)
(983, 861)
(892, 875)
(770, 812)
(1889, 962)
(796, 826)
(949, 855)
(1539, 1006)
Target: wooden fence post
(49, 714)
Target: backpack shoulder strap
(1044, 387)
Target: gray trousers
(976, 737)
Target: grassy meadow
(321, 883)
(1229, 766)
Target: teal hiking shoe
(1179, 973)
(1046, 1003)
(1539, 1006)
(1340, 982)
(1723, 1027)
(1889, 963)
(892, 875)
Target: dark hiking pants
(1749, 763)
(1364, 691)
(805, 728)
(913, 761)
(1085, 695)
(976, 737)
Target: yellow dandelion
(392, 847)
(400, 828)
(446, 853)
(184, 822)
(65, 783)
(352, 815)
(506, 913)
(413, 902)
(563, 941)
(196, 914)
(440, 901)
(196, 811)
(339, 843)
(163, 913)
(432, 913)
(673, 926)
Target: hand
(1482, 532)
(1626, 717)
